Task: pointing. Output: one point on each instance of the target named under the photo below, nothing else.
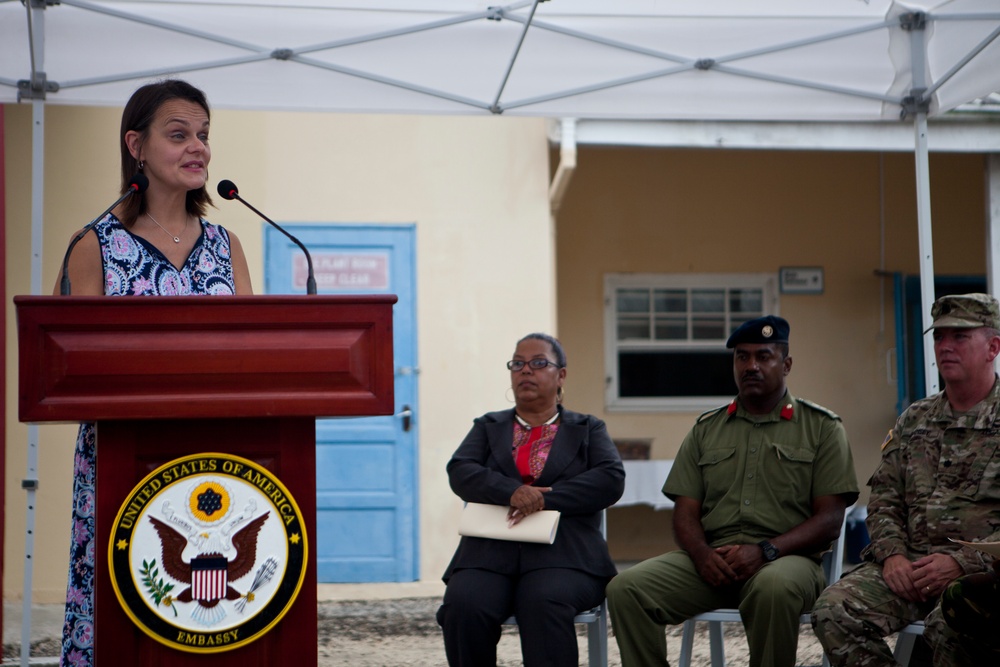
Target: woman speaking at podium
(154, 243)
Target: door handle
(407, 414)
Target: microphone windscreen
(139, 183)
(228, 189)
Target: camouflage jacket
(939, 478)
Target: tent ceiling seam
(166, 71)
(392, 82)
(572, 92)
(412, 30)
(802, 83)
(138, 18)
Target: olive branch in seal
(158, 590)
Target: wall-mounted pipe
(567, 164)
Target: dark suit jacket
(586, 476)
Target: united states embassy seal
(208, 553)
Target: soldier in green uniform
(760, 487)
(939, 478)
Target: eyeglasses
(533, 364)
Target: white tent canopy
(704, 60)
(683, 59)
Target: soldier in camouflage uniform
(760, 487)
(939, 478)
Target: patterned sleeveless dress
(132, 267)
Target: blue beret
(768, 329)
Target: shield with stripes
(209, 577)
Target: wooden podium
(171, 377)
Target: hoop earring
(509, 395)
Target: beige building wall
(476, 189)
(491, 266)
(726, 211)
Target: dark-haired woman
(153, 244)
(536, 456)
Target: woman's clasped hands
(526, 500)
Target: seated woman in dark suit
(537, 456)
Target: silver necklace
(526, 425)
(177, 239)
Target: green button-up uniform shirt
(756, 476)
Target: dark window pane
(633, 301)
(633, 329)
(675, 374)
(708, 300)
(671, 329)
(708, 328)
(670, 300)
(747, 303)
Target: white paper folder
(992, 548)
(480, 520)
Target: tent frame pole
(993, 223)
(993, 228)
(926, 249)
(36, 23)
(917, 104)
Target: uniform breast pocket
(789, 473)
(982, 478)
(718, 471)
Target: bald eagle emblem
(208, 552)
(208, 573)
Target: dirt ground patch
(398, 633)
(403, 633)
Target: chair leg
(905, 642)
(715, 641)
(597, 641)
(687, 643)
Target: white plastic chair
(833, 567)
(596, 620)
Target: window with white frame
(665, 336)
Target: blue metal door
(366, 467)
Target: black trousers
(477, 602)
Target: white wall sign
(801, 280)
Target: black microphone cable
(136, 186)
(228, 190)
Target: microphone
(228, 190)
(136, 186)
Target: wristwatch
(770, 551)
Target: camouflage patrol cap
(965, 311)
(768, 329)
